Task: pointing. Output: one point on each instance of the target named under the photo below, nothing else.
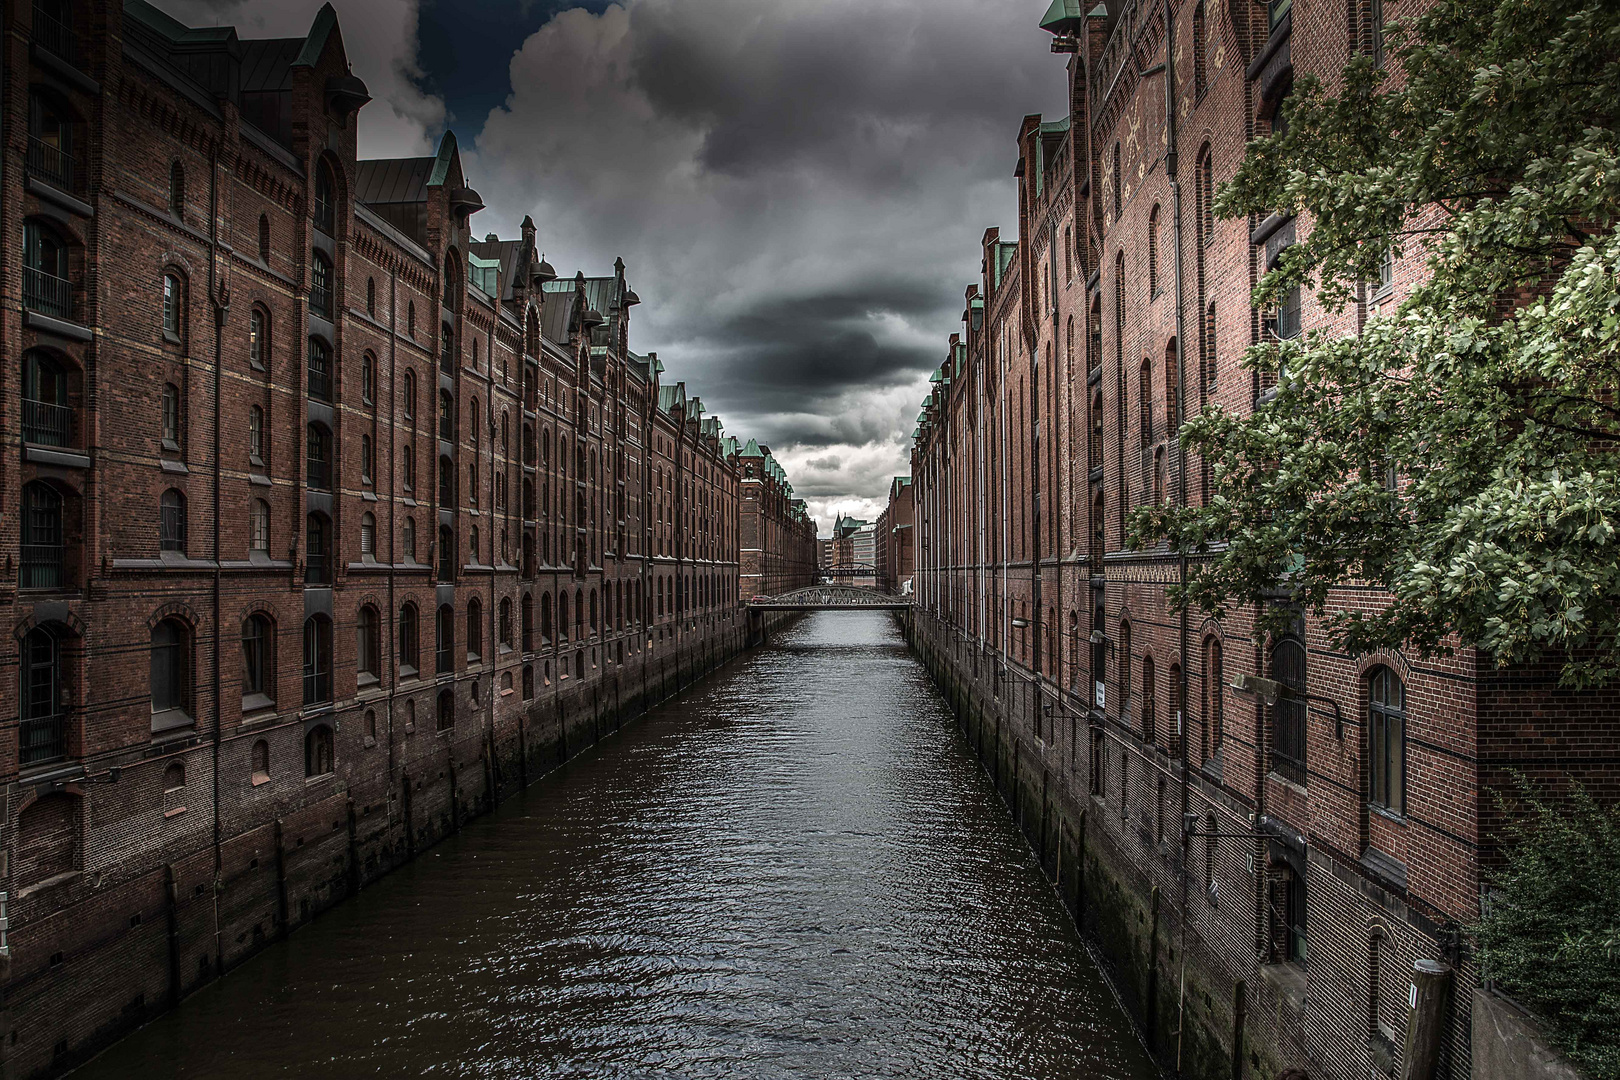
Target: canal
(797, 869)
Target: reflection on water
(795, 870)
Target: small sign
(1101, 696)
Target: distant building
(896, 533)
(854, 552)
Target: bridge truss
(830, 598)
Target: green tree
(1488, 148)
(1550, 933)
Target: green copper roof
(315, 40)
(935, 377)
(752, 449)
(1060, 16)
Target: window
(174, 300)
(47, 416)
(1214, 697)
(368, 378)
(255, 435)
(259, 527)
(526, 622)
(1124, 663)
(318, 752)
(1294, 907)
(528, 682)
(171, 416)
(258, 338)
(371, 297)
(1144, 402)
(1149, 705)
(1386, 737)
(408, 640)
(44, 555)
(1288, 315)
(447, 710)
(50, 138)
(264, 239)
(46, 287)
(1119, 182)
(318, 550)
(475, 629)
(320, 285)
(317, 661)
(170, 671)
(447, 349)
(506, 621)
(42, 735)
(259, 763)
(447, 555)
(318, 461)
(368, 536)
(447, 484)
(408, 539)
(320, 370)
(410, 318)
(368, 643)
(177, 189)
(444, 640)
(1153, 252)
(366, 459)
(407, 468)
(1200, 50)
(1288, 715)
(408, 406)
(325, 199)
(1211, 372)
(1206, 197)
(172, 521)
(1386, 272)
(256, 658)
(447, 416)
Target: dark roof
(267, 63)
(403, 180)
(556, 312)
(512, 256)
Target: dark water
(796, 870)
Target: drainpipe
(222, 306)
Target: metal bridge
(831, 598)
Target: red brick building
(326, 523)
(896, 538)
(778, 540)
(1347, 821)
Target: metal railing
(46, 423)
(320, 383)
(319, 474)
(317, 570)
(51, 164)
(42, 739)
(320, 300)
(42, 566)
(54, 36)
(47, 294)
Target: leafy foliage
(1550, 935)
(1489, 148)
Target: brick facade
(325, 522)
(1053, 412)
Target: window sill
(170, 815)
(256, 703)
(259, 779)
(408, 673)
(367, 681)
(171, 337)
(51, 882)
(167, 720)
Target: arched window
(506, 621)
(408, 640)
(264, 239)
(177, 189)
(259, 763)
(1205, 180)
(259, 527)
(1124, 664)
(368, 378)
(368, 642)
(1289, 714)
(1172, 388)
(169, 417)
(320, 370)
(593, 612)
(171, 674)
(47, 416)
(1149, 704)
(447, 710)
(42, 735)
(43, 561)
(318, 752)
(371, 297)
(1153, 251)
(1119, 182)
(258, 338)
(475, 629)
(320, 284)
(46, 288)
(1144, 402)
(318, 460)
(1386, 739)
(408, 405)
(325, 199)
(410, 318)
(317, 550)
(1214, 696)
(407, 468)
(368, 536)
(562, 615)
(258, 643)
(545, 618)
(579, 614)
(528, 682)
(444, 640)
(317, 660)
(172, 521)
(472, 544)
(526, 622)
(367, 460)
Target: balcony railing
(42, 739)
(319, 474)
(51, 164)
(47, 293)
(320, 300)
(320, 384)
(43, 566)
(317, 570)
(54, 36)
(47, 424)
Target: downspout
(221, 305)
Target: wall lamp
(1270, 692)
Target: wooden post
(1240, 1012)
(1428, 1002)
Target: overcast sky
(797, 188)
